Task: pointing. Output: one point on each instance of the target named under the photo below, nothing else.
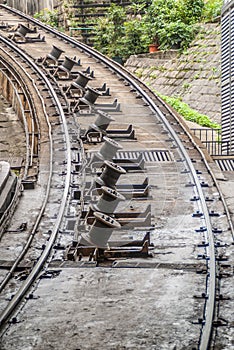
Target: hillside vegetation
(167, 23)
(128, 30)
(193, 77)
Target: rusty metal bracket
(116, 250)
(128, 133)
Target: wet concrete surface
(124, 307)
(110, 309)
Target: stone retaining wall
(194, 75)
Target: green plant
(139, 72)
(48, 17)
(186, 86)
(109, 31)
(212, 10)
(117, 35)
(153, 75)
(190, 11)
(171, 22)
(102, 34)
(196, 76)
(161, 68)
(188, 113)
(137, 7)
(156, 16)
(133, 41)
(176, 35)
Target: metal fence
(227, 65)
(211, 139)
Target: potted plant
(154, 46)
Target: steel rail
(29, 159)
(209, 170)
(30, 239)
(204, 341)
(211, 283)
(41, 261)
(211, 286)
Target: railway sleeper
(121, 134)
(119, 215)
(86, 105)
(133, 165)
(4, 25)
(220, 322)
(78, 88)
(139, 221)
(128, 193)
(25, 40)
(109, 107)
(135, 249)
(127, 190)
(225, 270)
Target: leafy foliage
(212, 10)
(168, 23)
(190, 10)
(115, 35)
(176, 35)
(172, 22)
(48, 17)
(108, 31)
(188, 113)
(133, 41)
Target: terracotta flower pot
(153, 48)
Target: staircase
(84, 13)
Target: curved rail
(210, 302)
(211, 282)
(38, 266)
(29, 241)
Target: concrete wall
(30, 6)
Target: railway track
(113, 180)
